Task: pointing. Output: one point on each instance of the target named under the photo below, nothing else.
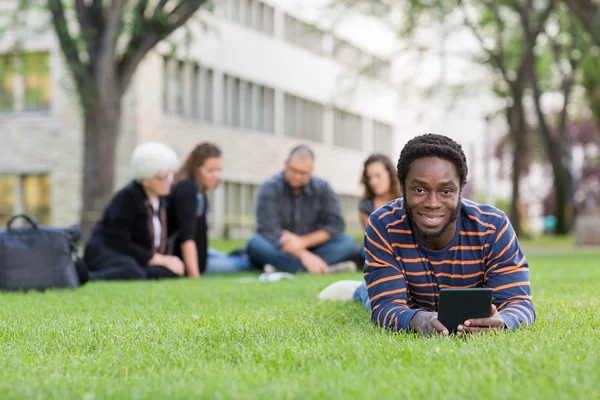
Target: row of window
(24, 82)
(31, 194)
(347, 129)
(251, 13)
(367, 64)
(305, 35)
(257, 15)
(249, 105)
(303, 118)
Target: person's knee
(129, 268)
(345, 243)
(258, 245)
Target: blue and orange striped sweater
(403, 277)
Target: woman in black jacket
(188, 215)
(130, 241)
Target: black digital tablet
(458, 305)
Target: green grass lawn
(220, 338)
(537, 243)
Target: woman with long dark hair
(380, 187)
(189, 215)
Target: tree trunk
(562, 183)
(101, 131)
(562, 199)
(517, 171)
(518, 135)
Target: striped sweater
(403, 277)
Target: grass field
(554, 243)
(221, 338)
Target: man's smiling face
(432, 193)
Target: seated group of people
(420, 234)
(156, 226)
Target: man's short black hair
(303, 152)
(432, 145)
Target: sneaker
(340, 290)
(269, 269)
(275, 276)
(344, 266)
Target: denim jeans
(361, 294)
(220, 263)
(337, 249)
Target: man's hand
(313, 263)
(492, 323)
(291, 243)
(426, 323)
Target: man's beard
(433, 235)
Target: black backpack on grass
(36, 257)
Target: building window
(347, 54)
(347, 129)
(383, 137)
(36, 74)
(248, 105)
(268, 17)
(33, 69)
(253, 14)
(304, 35)
(165, 85)
(268, 114)
(235, 102)
(240, 202)
(202, 93)
(349, 205)
(28, 194)
(366, 64)
(179, 88)
(303, 118)
(201, 90)
(207, 94)
(195, 103)
(7, 76)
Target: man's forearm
(517, 313)
(395, 317)
(315, 238)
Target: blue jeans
(361, 294)
(337, 249)
(220, 263)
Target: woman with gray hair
(130, 240)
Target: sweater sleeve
(385, 279)
(507, 273)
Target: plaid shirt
(316, 207)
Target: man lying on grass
(431, 239)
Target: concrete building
(258, 78)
